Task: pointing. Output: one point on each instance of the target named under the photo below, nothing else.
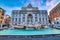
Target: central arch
(29, 19)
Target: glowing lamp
(54, 18)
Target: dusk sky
(10, 5)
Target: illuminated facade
(2, 12)
(55, 12)
(29, 16)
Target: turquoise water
(30, 32)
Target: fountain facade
(29, 16)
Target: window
(36, 15)
(15, 19)
(43, 19)
(16, 12)
(24, 14)
(23, 17)
(2, 13)
(16, 15)
(23, 20)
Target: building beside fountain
(55, 12)
(54, 16)
(2, 12)
(7, 20)
(29, 16)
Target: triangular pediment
(29, 5)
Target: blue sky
(10, 5)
